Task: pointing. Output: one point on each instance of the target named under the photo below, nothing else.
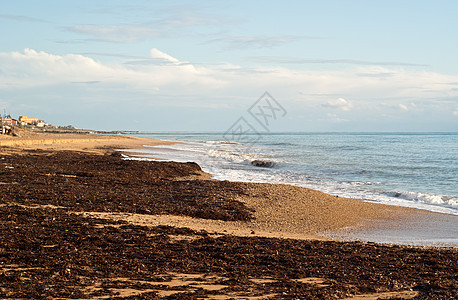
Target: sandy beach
(80, 222)
(88, 143)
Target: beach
(80, 221)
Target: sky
(357, 66)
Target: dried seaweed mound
(50, 253)
(85, 182)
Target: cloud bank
(166, 81)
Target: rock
(262, 163)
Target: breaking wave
(427, 198)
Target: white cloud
(403, 107)
(118, 34)
(295, 61)
(339, 103)
(250, 42)
(408, 107)
(32, 69)
(172, 22)
(20, 18)
(155, 53)
(225, 84)
(455, 113)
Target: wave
(234, 156)
(359, 183)
(220, 142)
(427, 198)
(139, 158)
(346, 148)
(283, 144)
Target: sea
(417, 170)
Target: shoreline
(315, 162)
(404, 225)
(295, 212)
(78, 221)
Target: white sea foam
(236, 156)
(427, 198)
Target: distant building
(7, 120)
(6, 124)
(41, 123)
(24, 120)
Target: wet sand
(420, 229)
(86, 224)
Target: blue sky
(199, 65)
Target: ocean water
(404, 169)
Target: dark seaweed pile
(107, 183)
(50, 253)
(71, 252)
